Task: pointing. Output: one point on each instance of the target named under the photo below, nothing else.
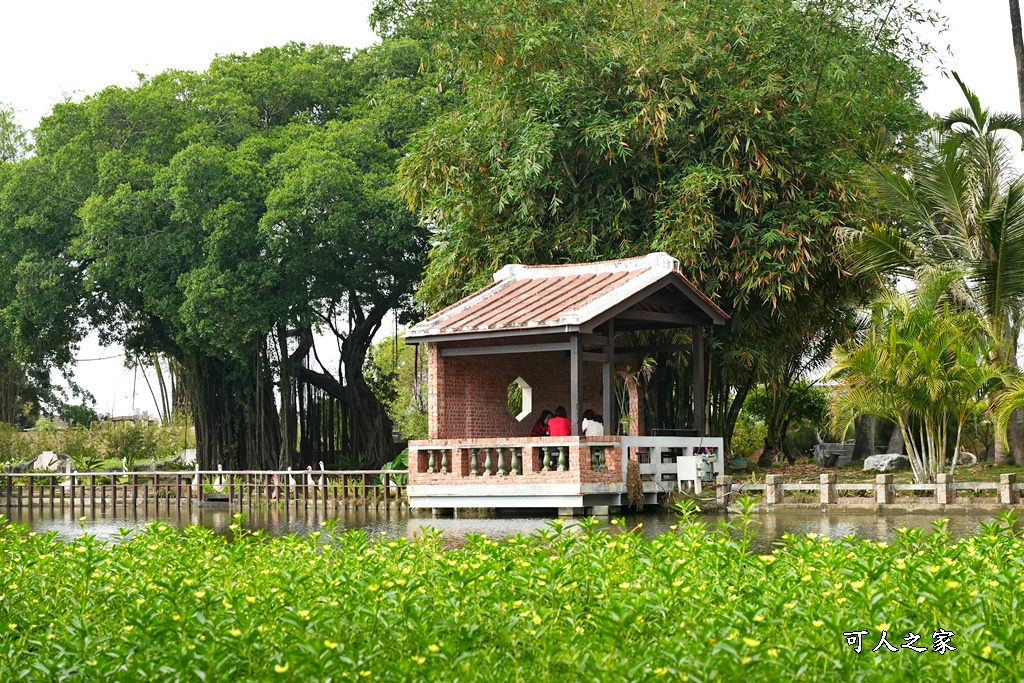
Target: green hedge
(566, 604)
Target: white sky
(54, 49)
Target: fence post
(723, 490)
(773, 492)
(884, 493)
(1007, 496)
(829, 495)
(943, 492)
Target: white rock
(48, 461)
(887, 462)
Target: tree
(955, 208)
(922, 365)
(729, 134)
(217, 219)
(1018, 50)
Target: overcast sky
(53, 50)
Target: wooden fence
(882, 492)
(147, 491)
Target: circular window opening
(520, 399)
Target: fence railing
(236, 488)
(882, 492)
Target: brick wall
(468, 395)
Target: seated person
(559, 425)
(540, 427)
(592, 424)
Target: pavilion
(552, 331)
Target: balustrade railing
(513, 458)
(102, 490)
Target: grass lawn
(578, 604)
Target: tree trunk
(864, 441)
(895, 441)
(1018, 50)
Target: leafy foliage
(731, 134)
(553, 606)
(922, 365)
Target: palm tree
(956, 209)
(921, 364)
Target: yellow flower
(758, 617)
(433, 648)
(419, 660)
(373, 588)
(364, 674)
(986, 652)
(200, 594)
(330, 644)
(536, 620)
(856, 585)
(250, 599)
(660, 671)
(952, 584)
(304, 613)
(883, 627)
(750, 642)
(624, 585)
(281, 668)
(818, 623)
(773, 652)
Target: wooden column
(608, 382)
(697, 362)
(575, 382)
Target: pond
(392, 523)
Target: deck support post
(575, 382)
(697, 363)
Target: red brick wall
(468, 395)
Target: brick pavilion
(552, 331)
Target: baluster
(563, 458)
(445, 466)
(430, 461)
(593, 458)
(474, 463)
(517, 461)
(501, 462)
(488, 463)
(545, 456)
(602, 462)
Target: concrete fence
(880, 493)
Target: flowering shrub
(566, 604)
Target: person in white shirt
(592, 424)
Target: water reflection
(396, 523)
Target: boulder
(966, 459)
(48, 461)
(887, 462)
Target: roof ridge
(658, 260)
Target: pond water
(392, 523)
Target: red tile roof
(563, 297)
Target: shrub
(172, 605)
(748, 435)
(132, 442)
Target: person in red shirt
(559, 425)
(540, 427)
